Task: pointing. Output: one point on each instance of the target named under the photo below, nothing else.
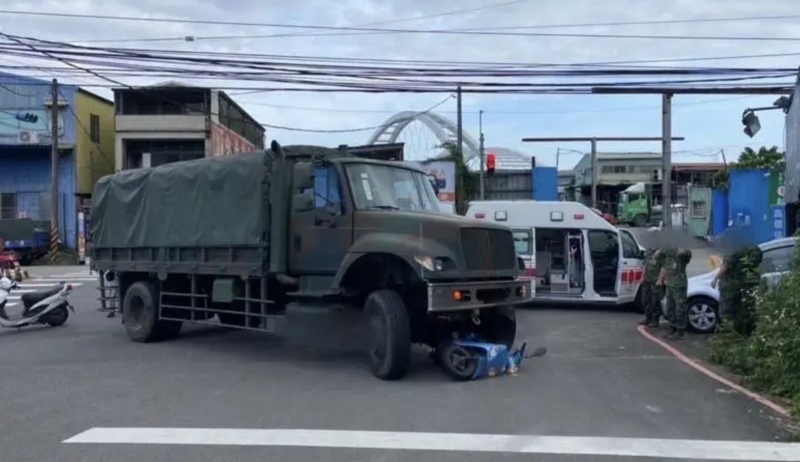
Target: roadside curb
(708, 373)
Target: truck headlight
(433, 263)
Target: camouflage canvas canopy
(210, 202)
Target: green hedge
(768, 359)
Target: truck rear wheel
(390, 329)
(499, 325)
(140, 315)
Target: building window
(698, 209)
(94, 128)
(8, 206)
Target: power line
(192, 38)
(361, 129)
(489, 111)
(399, 31)
(387, 61)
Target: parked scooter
(45, 307)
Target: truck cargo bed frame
(252, 260)
(255, 309)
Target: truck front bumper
(471, 295)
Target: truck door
(319, 238)
(631, 268)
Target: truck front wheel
(390, 329)
(140, 315)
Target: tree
(767, 158)
(466, 181)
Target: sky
(710, 124)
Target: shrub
(769, 357)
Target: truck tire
(390, 329)
(140, 315)
(499, 325)
(640, 221)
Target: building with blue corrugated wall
(25, 153)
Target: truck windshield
(385, 187)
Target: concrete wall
(93, 159)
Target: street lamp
(750, 120)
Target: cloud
(706, 122)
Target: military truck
(248, 237)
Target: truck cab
(322, 229)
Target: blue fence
(545, 184)
(748, 202)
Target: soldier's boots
(645, 322)
(654, 323)
(675, 334)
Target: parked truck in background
(639, 205)
(246, 238)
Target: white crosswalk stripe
(36, 284)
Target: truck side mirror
(303, 176)
(303, 202)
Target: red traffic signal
(490, 163)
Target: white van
(575, 255)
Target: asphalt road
(600, 379)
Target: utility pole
(483, 153)
(460, 123)
(593, 141)
(54, 235)
(666, 157)
(666, 121)
(595, 173)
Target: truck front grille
(488, 249)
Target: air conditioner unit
(27, 137)
(658, 174)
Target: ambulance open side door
(631, 268)
(525, 245)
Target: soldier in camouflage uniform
(738, 274)
(674, 274)
(651, 293)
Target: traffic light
(27, 117)
(490, 162)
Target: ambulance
(574, 255)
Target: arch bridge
(442, 128)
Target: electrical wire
(395, 31)
(194, 38)
(363, 78)
(360, 129)
(307, 59)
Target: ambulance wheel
(390, 329)
(499, 325)
(457, 361)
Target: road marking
(709, 373)
(514, 444)
(56, 280)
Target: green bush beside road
(766, 355)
